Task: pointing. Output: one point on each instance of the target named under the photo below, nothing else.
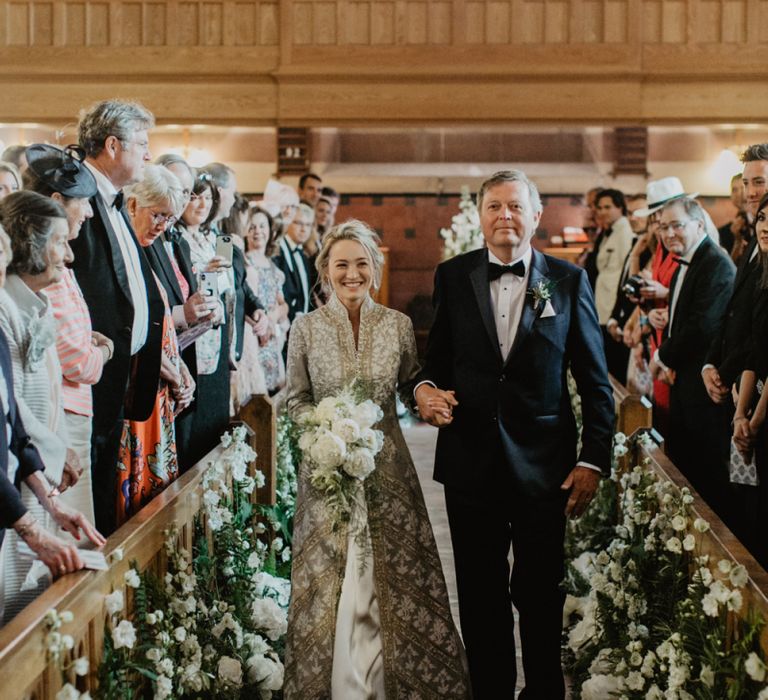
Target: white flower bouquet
(465, 233)
(340, 444)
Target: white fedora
(660, 192)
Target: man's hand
(717, 391)
(582, 483)
(614, 331)
(659, 318)
(435, 405)
(654, 290)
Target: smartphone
(224, 247)
(209, 285)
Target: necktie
(495, 271)
(681, 261)
(117, 202)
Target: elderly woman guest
(148, 461)
(83, 352)
(267, 281)
(38, 230)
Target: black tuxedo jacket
(727, 350)
(246, 301)
(698, 315)
(514, 417)
(11, 506)
(102, 276)
(624, 306)
(161, 266)
(292, 289)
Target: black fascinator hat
(62, 169)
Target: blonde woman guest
(38, 230)
(348, 636)
(10, 180)
(60, 175)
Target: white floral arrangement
(214, 625)
(647, 616)
(465, 233)
(339, 443)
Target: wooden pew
(24, 669)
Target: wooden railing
(24, 669)
(634, 413)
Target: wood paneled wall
(388, 61)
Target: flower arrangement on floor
(647, 616)
(465, 233)
(339, 443)
(214, 625)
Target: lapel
(159, 262)
(117, 255)
(184, 260)
(745, 266)
(682, 298)
(539, 271)
(478, 275)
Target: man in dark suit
(291, 259)
(119, 288)
(698, 296)
(508, 323)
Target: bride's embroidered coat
(395, 616)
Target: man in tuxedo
(508, 323)
(119, 288)
(299, 278)
(699, 294)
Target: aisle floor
(421, 440)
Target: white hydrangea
(114, 602)
(268, 616)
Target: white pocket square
(548, 310)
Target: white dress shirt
(679, 282)
(507, 300)
(130, 252)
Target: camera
(633, 285)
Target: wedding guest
(171, 260)
(323, 216)
(16, 154)
(310, 186)
(211, 411)
(731, 231)
(148, 461)
(10, 179)
(267, 281)
(119, 288)
(294, 263)
(369, 615)
(333, 197)
(61, 175)
(38, 230)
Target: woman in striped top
(83, 352)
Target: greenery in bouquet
(340, 444)
(465, 233)
(214, 625)
(645, 616)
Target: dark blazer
(517, 413)
(727, 350)
(161, 265)
(11, 506)
(698, 315)
(102, 276)
(292, 289)
(246, 301)
(624, 306)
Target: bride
(382, 630)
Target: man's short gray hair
(111, 118)
(158, 186)
(28, 219)
(222, 174)
(306, 210)
(510, 176)
(691, 207)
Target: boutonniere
(541, 292)
(41, 334)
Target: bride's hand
(436, 405)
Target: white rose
(328, 450)
(367, 414)
(372, 439)
(68, 692)
(269, 616)
(701, 525)
(755, 667)
(132, 578)
(707, 676)
(689, 542)
(347, 429)
(601, 686)
(154, 654)
(114, 602)
(724, 565)
(117, 554)
(180, 634)
(81, 666)
(735, 601)
(124, 635)
(709, 605)
(674, 545)
(359, 463)
(738, 576)
(66, 616)
(230, 671)
(678, 523)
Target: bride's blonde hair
(351, 230)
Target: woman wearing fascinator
(60, 174)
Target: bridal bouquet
(339, 443)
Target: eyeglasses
(160, 218)
(674, 226)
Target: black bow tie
(682, 261)
(117, 202)
(495, 271)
